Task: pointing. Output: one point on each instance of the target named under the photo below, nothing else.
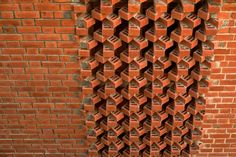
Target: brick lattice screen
(145, 72)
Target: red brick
(28, 22)
(48, 37)
(30, 44)
(13, 37)
(9, 7)
(12, 44)
(48, 23)
(51, 51)
(27, 14)
(8, 22)
(47, 15)
(28, 29)
(13, 51)
(35, 57)
(52, 64)
(36, 70)
(26, 7)
(229, 7)
(29, 37)
(7, 15)
(69, 30)
(46, 6)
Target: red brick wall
(220, 124)
(39, 94)
(39, 109)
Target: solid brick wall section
(39, 92)
(219, 125)
(41, 49)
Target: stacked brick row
(145, 67)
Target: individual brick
(152, 14)
(177, 13)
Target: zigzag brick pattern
(145, 67)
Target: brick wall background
(38, 79)
(39, 94)
(220, 121)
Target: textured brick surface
(219, 124)
(39, 94)
(40, 110)
(145, 68)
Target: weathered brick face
(39, 92)
(39, 95)
(219, 124)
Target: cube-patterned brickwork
(145, 67)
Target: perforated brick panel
(145, 67)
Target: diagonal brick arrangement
(145, 68)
